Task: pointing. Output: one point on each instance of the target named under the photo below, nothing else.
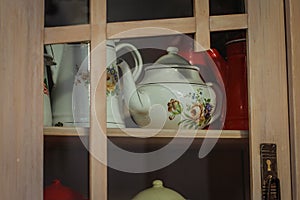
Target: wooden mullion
(98, 170)
(64, 34)
(228, 22)
(202, 32)
(78, 33)
(143, 28)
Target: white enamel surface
(47, 111)
(171, 74)
(63, 101)
(161, 94)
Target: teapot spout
(136, 101)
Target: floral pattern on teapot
(195, 114)
(112, 86)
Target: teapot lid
(158, 192)
(177, 69)
(172, 58)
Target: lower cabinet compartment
(66, 159)
(222, 174)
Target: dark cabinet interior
(222, 174)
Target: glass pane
(67, 85)
(128, 10)
(223, 7)
(148, 50)
(66, 12)
(66, 165)
(232, 46)
(222, 174)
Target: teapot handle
(136, 56)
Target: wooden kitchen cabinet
(23, 36)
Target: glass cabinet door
(90, 160)
(224, 172)
(213, 150)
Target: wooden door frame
(21, 86)
(293, 52)
(268, 96)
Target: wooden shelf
(168, 133)
(66, 131)
(145, 133)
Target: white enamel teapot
(114, 106)
(171, 95)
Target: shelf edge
(66, 131)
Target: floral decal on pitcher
(112, 87)
(194, 115)
(82, 76)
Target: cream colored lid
(158, 192)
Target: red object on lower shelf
(56, 191)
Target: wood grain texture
(228, 22)
(268, 90)
(201, 25)
(65, 34)
(160, 27)
(98, 149)
(293, 52)
(171, 133)
(21, 86)
(66, 131)
(202, 32)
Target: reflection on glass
(66, 164)
(136, 53)
(192, 177)
(68, 80)
(66, 12)
(128, 10)
(223, 7)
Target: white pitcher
(70, 93)
(115, 110)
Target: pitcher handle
(136, 56)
